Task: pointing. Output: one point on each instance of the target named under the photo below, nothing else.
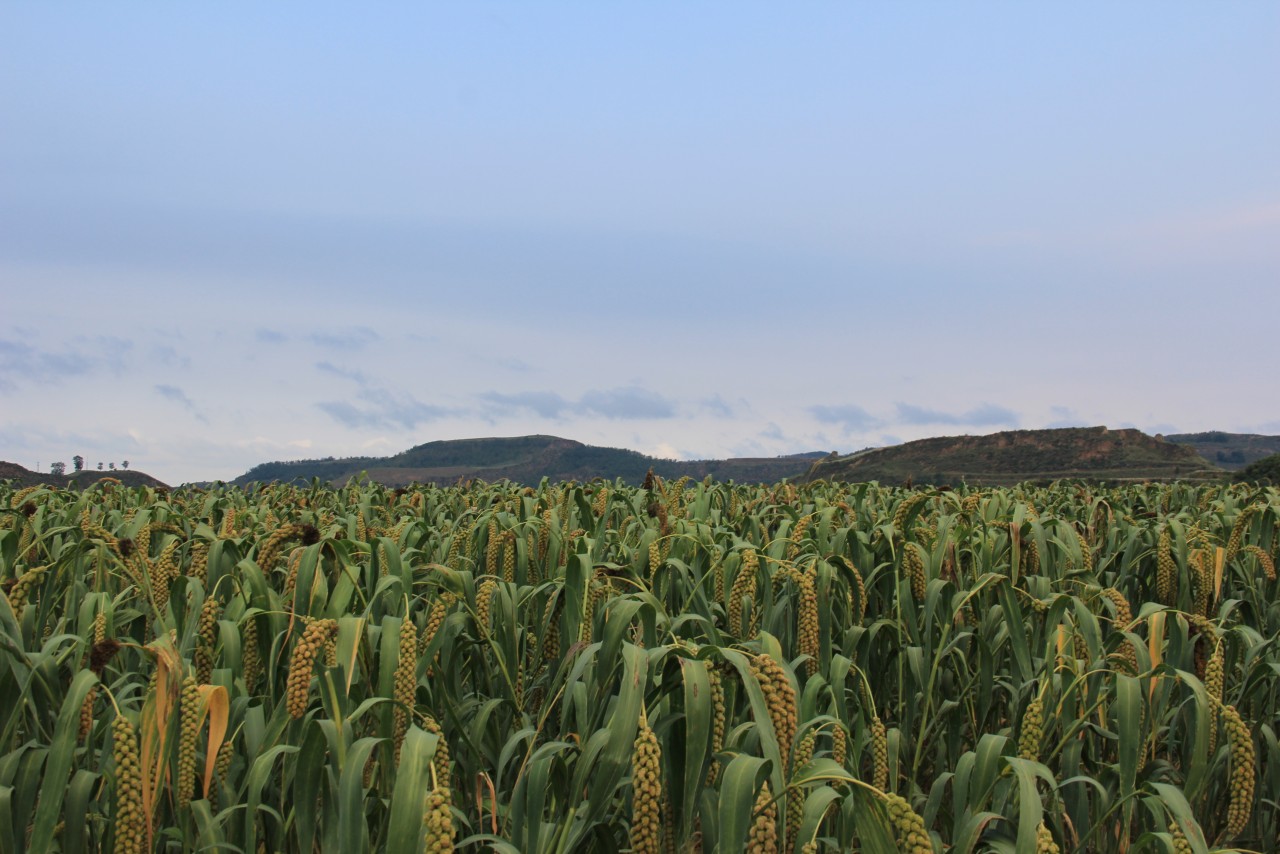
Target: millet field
(677, 667)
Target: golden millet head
(1032, 730)
(780, 698)
(646, 793)
(130, 823)
(1243, 772)
(1044, 841)
(762, 837)
(908, 826)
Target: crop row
(681, 666)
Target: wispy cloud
(984, 415)
(178, 396)
(1065, 416)
(717, 406)
(30, 443)
(849, 416)
(348, 414)
(773, 432)
(20, 361)
(546, 404)
(380, 408)
(628, 402)
(168, 355)
(270, 336)
(854, 418)
(355, 338)
(374, 405)
(515, 365)
(345, 373)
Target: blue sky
(245, 232)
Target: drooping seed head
(129, 821)
(762, 836)
(646, 792)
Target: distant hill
(1265, 470)
(523, 459)
(1232, 451)
(26, 477)
(1095, 453)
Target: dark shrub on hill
(1265, 470)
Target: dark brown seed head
(101, 653)
(310, 535)
(125, 545)
(29, 509)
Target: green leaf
(1128, 713)
(74, 837)
(408, 797)
(1180, 811)
(58, 766)
(259, 773)
(738, 786)
(817, 803)
(208, 830)
(697, 732)
(1030, 809)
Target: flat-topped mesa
(523, 459)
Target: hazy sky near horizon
(239, 232)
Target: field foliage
(686, 666)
